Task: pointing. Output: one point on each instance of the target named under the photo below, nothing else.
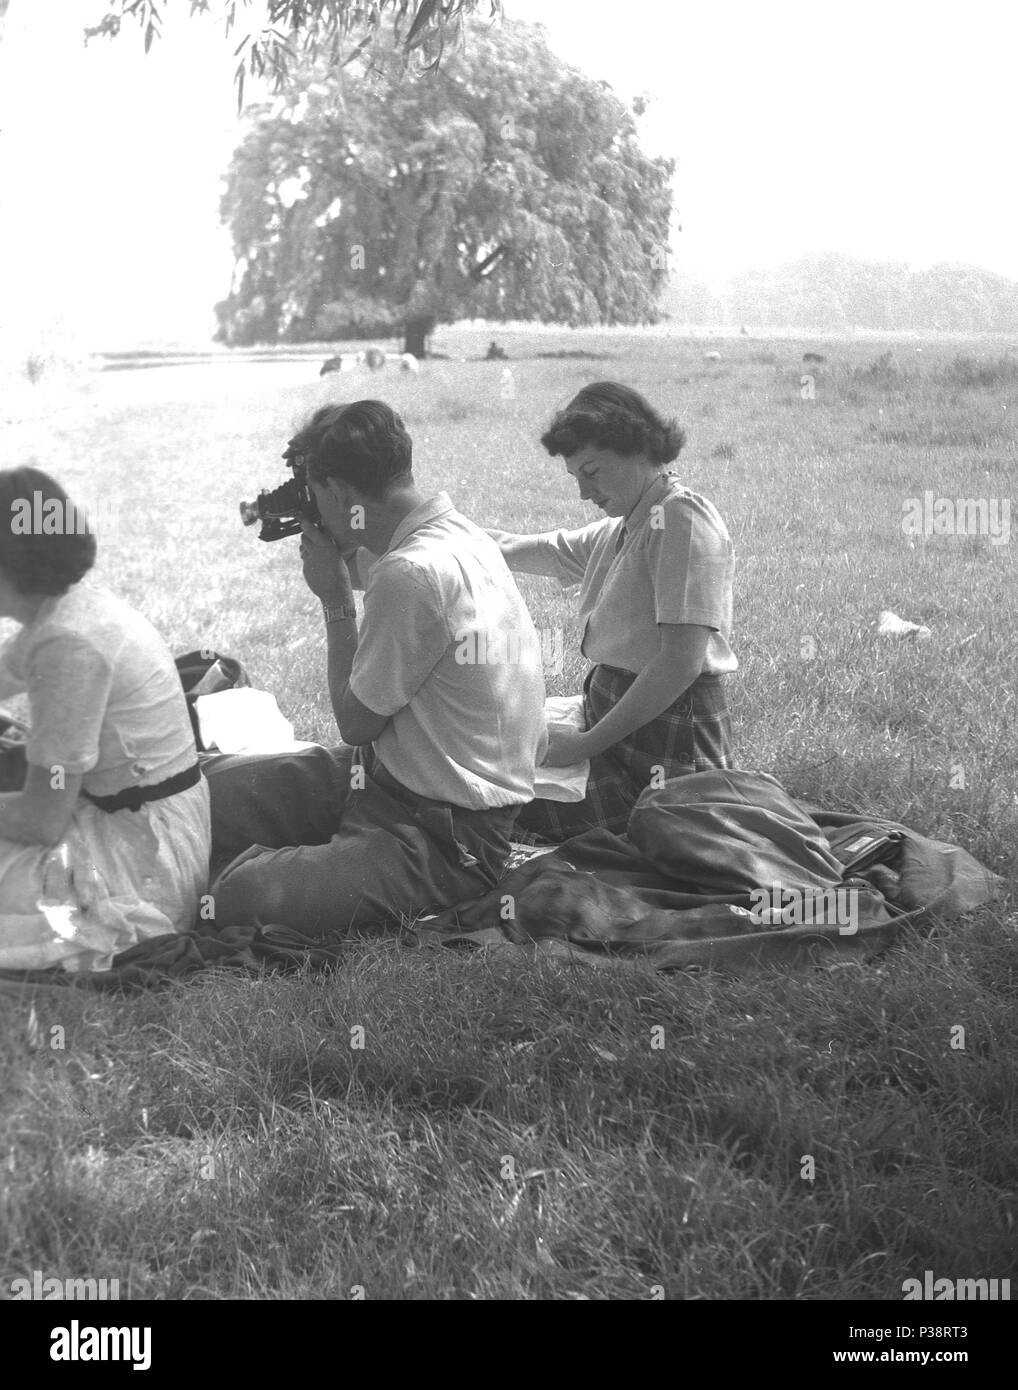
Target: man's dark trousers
(312, 841)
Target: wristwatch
(336, 615)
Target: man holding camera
(439, 699)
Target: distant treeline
(835, 291)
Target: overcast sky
(884, 130)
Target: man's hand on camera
(325, 570)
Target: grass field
(507, 1130)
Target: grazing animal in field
(712, 357)
(345, 362)
(409, 363)
(815, 357)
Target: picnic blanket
(718, 869)
(723, 869)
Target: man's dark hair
(48, 558)
(364, 444)
(611, 416)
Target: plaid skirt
(692, 735)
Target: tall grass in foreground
(519, 1129)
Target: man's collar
(427, 511)
(657, 491)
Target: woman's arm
(69, 683)
(672, 671)
(560, 555)
(522, 554)
(41, 813)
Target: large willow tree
(275, 37)
(503, 185)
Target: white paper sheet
(563, 783)
(245, 721)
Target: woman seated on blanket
(107, 841)
(656, 601)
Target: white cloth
(114, 880)
(244, 720)
(563, 783)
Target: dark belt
(133, 798)
(701, 680)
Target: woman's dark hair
(611, 416)
(364, 444)
(46, 545)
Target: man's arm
(328, 576)
(357, 724)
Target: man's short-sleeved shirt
(675, 564)
(448, 649)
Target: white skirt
(114, 880)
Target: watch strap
(337, 614)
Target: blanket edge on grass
(600, 899)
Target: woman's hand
(325, 571)
(566, 746)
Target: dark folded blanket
(724, 869)
(719, 869)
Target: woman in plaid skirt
(656, 602)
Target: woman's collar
(652, 493)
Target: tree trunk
(416, 332)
